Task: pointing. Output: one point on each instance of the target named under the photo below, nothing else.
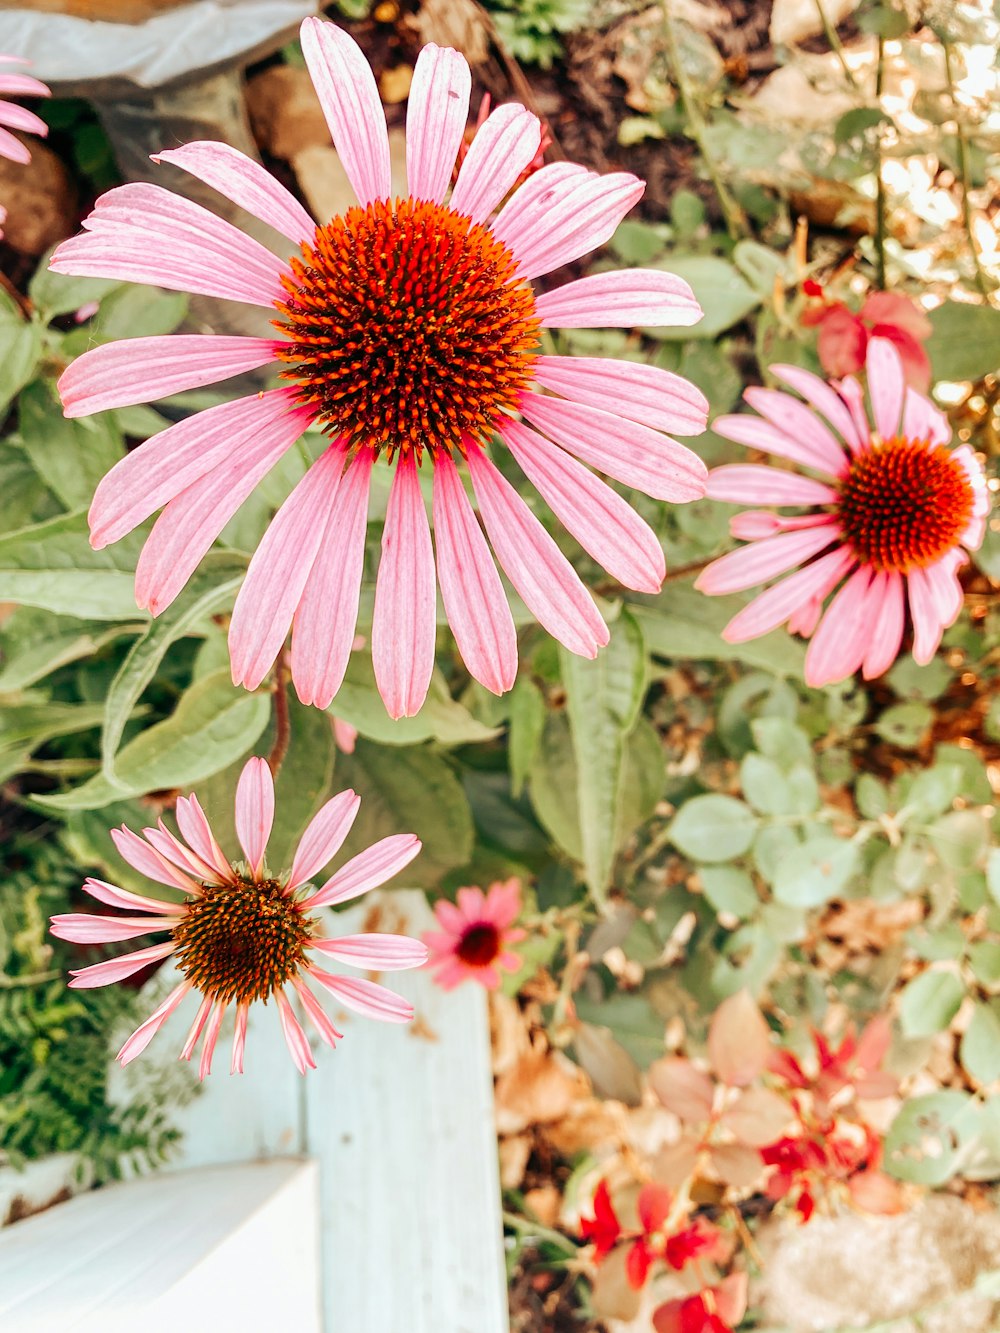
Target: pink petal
(450, 918)
(764, 559)
(755, 523)
(756, 433)
(824, 398)
(922, 420)
(192, 521)
(625, 298)
(131, 902)
(367, 870)
(555, 218)
(350, 99)
(239, 1038)
(366, 997)
(473, 596)
(145, 1032)
(633, 454)
(149, 476)
(278, 571)
(22, 85)
(20, 118)
(328, 611)
(838, 647)
(13, 149)
(255, 811)
(436, 114)
(195, 1030)
(801, 424)
(211, 1037)
(377, 952)
(324, 836)
(546, 581)
(603, 523)
(503, 903)
(83, 928)
(945, 587)
(886, 386)
(317, 1014)
(403, 624)
(654, 397)
(452, 974)
(886, 624)
(471, 903)
(503, 147)
(117, 969)
(197, 833)
(246, 183)
(143, 233)
(756, 483)
(854, 396)
(140, 856)
(773, 607)
(172, 849)
(143, 370)
(295, 1039)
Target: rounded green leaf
(713, 828)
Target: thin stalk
(524, 1226)
(29, 979)
(282, 722)
(964, 174)
(835, 44)
(879, 182)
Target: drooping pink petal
(211, 1037)
(503, 147)
(633, 454)
(83, 928)
(403, 624)
(246, 183)
(436, 115)
(825, 399)
(886, 386)
(602, 522)
(145, 479)
(773, 607)
(886, 625)
(278, 571)
(327, 614)
(838, 647)
(945, 586)
(131, 902)
(366, 997)
(370, 868)
(556, 216)
(12, 148)
(473, 596)
(140, 856)
(117, 969)
(764, 559)
(801, 424)
(624, 298)
(324, 836)
(197, 833)
(295, 1039)
(20, 118)
(922, 420)
(143, 370)
(195, 1030)
(22, 85)
(146, 1031)
(647, 394)
(756, 483)
(374, 952)
(143, 233)
(316, 1012)
(239, 1038)
(255, 811)
(544, 578)
(348, 94)
(756, 433)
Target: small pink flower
(19, 117)
(886, 524)
(475, 934)
(243, 934)
(844, 336)
(408, 331)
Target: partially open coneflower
(888, 518)
(18, 117)
(410, 334)
(242, 933)
(474, 941)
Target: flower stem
(964, 173)
(282, 723)
(835, 44)
(879, 182)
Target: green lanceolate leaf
(51, 565)
(441, 718)
(527, 722)
(683, 623)
(70, 456)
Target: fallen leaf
(682, 1088)
(739, 1040)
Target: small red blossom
(603, 1229)
(854, 1064)
(717, 1309)
(828, 1155)
(844, 334)
(652, 1241)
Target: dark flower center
(407, 327)
(904, 504)
(479, 945)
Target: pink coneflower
(472, 944)
(19, 117)
(885, 521)
(409, 331)
(242, 933)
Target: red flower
(653, 1206)
(715, 1310)
(603, 1229)
(844, 335)
(653, 1241)
(853, 1064)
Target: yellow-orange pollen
(241, 941)
(408, 328)
(904, 504)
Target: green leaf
(729, 890)
(683, 623)
(929, 1002)
(856, 123)
(527, 722)
(765, 785)
(993, 873)
(71, 456)
(603, 701)
(213, 724)
(871, 796)
(632, 1020)
(781, 740)
(713, 828)
(442, 718)
(51, 565)
(303, 781)
(552, 784)
(818, 870)
(930, 1136)
(960, 838)
(904, 725)
(138, 312)
(55, 294)
(722, 292)
(36, 643)
(933, 791)
(980, 1048)
(20, 350)
(965, 342)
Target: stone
(40, 200)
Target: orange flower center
(904, 504)
(241, 941)
(479, 945)
(407, 327)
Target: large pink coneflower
(474, 941)
(408, 331)
(19, 117)
(887, 518)
(242, 933)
